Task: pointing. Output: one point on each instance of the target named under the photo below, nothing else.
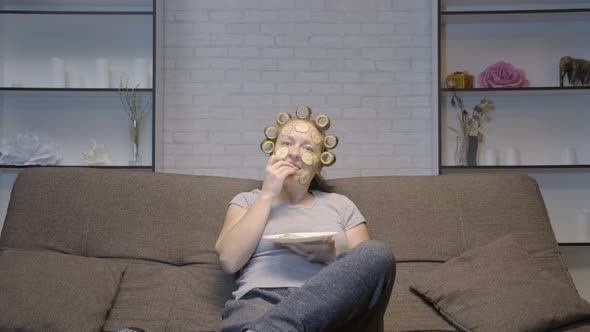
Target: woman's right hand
(275, 173)
(243, 228)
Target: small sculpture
(98, 155)
(460, 80)
(575, 69)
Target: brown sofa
(88, 249)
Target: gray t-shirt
(273, 265)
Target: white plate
(300, 237)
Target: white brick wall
(232, 65)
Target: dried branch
(134, 104)
(471, 125)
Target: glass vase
(134, 131)
(461, 151)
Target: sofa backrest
(435, 218)
(176, 218)
(117, 213)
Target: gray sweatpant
(350, 294)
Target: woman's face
(300, 143)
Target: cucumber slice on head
(303, 112)
(267, 146)
(271, 132)
(330, 141)
(327, 158)
(283, 117)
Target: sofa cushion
(500, 287)
(48, 291)
(161, 297)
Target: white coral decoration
(97, 155)
(29, 149)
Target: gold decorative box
(460, 80)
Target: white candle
(512, 158)
(140, 73)
(74, 78)
(103, 79)
(569, 156)
(489, 157)
(582, 227)
(58, 68)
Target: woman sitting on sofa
(341, 282)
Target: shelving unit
(32, 32)
(540, 121)
(79, 32)
(528, 91)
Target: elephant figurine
(575, 69)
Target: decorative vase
(461, 151)
(134, 130)
(472, 150)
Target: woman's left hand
(317, 252)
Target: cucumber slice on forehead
(302, 127)
(286, 130)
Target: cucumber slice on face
(316, 138)
(307, 158)
(282, 152)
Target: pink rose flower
(502, 75)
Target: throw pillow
(500, 287)
(48, 291)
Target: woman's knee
(378, 252)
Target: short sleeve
(245, 199)
(352, 216)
